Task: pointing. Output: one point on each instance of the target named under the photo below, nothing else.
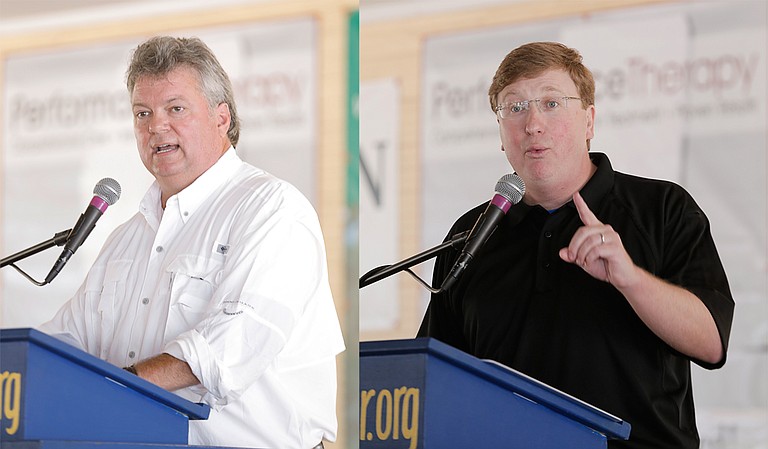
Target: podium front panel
(425, 395)
(52, 391)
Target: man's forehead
(179, 75)
(557, 81)
(174, 84)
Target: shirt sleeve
(274, 275)
(691, 261)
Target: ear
(590, 122)
(223, 118)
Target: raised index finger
(586, 215)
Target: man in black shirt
(601, 284)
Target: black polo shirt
(518, 303)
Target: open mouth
(165, 148)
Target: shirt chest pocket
(192, 282)
(110, 291)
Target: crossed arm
(167, 372)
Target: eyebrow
(169, 100)
(546, 89)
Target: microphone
(509, 191)
(106, 193)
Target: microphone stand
(385, 271)
(59, 239)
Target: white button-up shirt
(232, 278)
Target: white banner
(635, 98)
(379, 200)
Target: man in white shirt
(217, 288)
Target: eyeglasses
(516, 110)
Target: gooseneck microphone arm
(59, 239)
(386, 271)
(510, 189)
(106, 193)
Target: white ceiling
(25, 14)
(14, 10)
(30, 15)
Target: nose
(534, 121)
(158, 123)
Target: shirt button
(547, 234)
(145, 301)
(131, 354)
(546, 265)
(159, 249)
(186, 214)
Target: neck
(172, 186)
(552, 197)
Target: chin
(538, 171)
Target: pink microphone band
(502, 203)
(99, 203)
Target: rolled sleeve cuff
(721, 307)
(194, 349)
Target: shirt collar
(186, 202)
(593, 192)
(599, 184)
(150, 206)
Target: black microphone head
(511, 187)
(108, 189)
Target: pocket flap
(195, 267)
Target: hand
(671, 312)
(597, 248)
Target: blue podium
(424, 394)
(55, 396)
